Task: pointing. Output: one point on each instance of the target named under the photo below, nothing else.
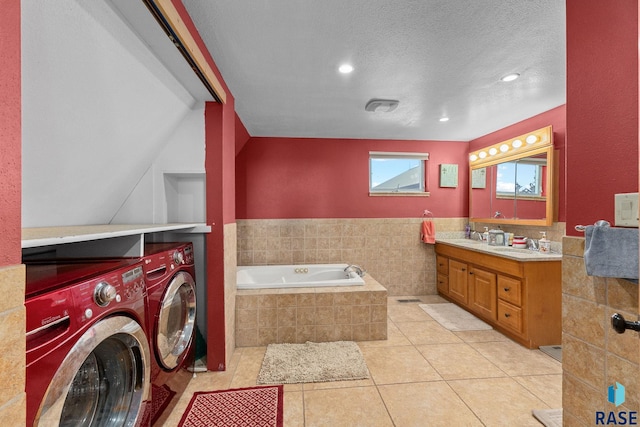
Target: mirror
(512, 182)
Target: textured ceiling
(437, 57)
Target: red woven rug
(242, 407)
(161, 397)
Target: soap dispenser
(485, 235)
(544, 245)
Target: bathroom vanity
(517, 291)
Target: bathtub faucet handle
(356, 269)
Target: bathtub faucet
(356, 269)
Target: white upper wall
(98, 110)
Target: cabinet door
(458, 287)
(482, 293)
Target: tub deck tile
(321, 314)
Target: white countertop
(44, 236)
(502, 251)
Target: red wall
(220, 143)
(329, 178)
(557, 119)
(10, 136)
(242, 136)
(602, 107)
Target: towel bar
(619, 324)
(600, 222)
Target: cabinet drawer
(442, 264)
(510, 290)
(443, 284)
(510, 316)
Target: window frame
(392, 155)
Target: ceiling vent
(381, 105)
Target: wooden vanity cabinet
(521, 299)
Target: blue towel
(611, 252)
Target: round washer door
(176, 320)
(103, 381)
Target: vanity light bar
(530, 141)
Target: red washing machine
(88, 358)
(169, 271)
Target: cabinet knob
(506, 289)
(463, 269)
(507, 315)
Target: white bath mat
(549, 417)
(312, 362)
(454, 318)
(554, 351)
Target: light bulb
(504, 148)
(473, 157)
(510, 77)
(516, 144)
(482, 154)
(345, 68)
(531, 139)
(493, 151)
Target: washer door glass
(176, 320)
(104, 381)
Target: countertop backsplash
(555, 232)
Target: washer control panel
(113, 288)
(104, 293)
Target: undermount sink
(466, 241)
(510, 249)
(502, 248)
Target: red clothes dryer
(88, 360)
(171, 313)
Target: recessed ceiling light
(345, 68)
(444, 119)
(510, 77)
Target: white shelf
(130, 242)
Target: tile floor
(422, 375)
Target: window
(520, 179)
(397, 173)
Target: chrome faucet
(356, 269)
(477, 236)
